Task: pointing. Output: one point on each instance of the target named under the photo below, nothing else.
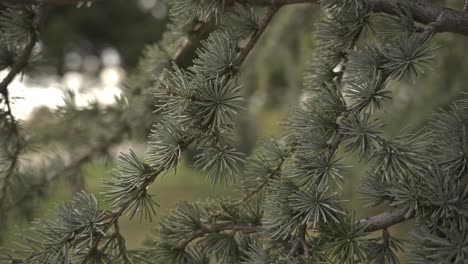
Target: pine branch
(256, 35)
(217, 228)
(22, 60)
(299, 241)
(114, 216)
(20, 63)
(384, 220)
(441, 19)
(74, 165)
(190, 42)
(271, 175)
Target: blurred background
(73, 101)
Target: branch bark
(256, 35)
(217, 228)
(440, 19)
(384, 220)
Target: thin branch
(465, 7)
(265, 21)
(74, 165)
(299, 241)
(271, 175)
(217, 228)
(384, 220)
(190, 42)
(19, 64)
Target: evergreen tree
(291, 210)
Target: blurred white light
(159, 11)
(73, 61)
(110, 57)
(111, 76)
(147, 4)
(72, 80)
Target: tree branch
(217, 228)
(74, 165)
(271, 175)
(441, 19)
(114, 216)
(258, 32)
(19, 64)
(190, 42)
(384, 220)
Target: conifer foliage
(292, 210)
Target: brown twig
(265, 21)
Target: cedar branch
(441, 19)
(114, 216)
(384, 220)
(18, 66)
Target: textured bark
(439, 19)
(384, 220)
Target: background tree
(292, 210)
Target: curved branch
(439, 19)
(258, 32)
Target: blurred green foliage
(124, 25)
